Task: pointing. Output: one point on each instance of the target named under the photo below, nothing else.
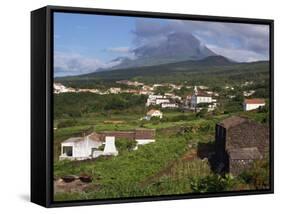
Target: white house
(247, 83)
(248, 93)
(203, 87)
(154, 113)
(162, 100)
(82, 148)
(200, 97)
(88, 147)
(251, 104)
(157, 85)
(169, 105)
(144, 92)
(147, 88)
(173, 96)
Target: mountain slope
(205, 71)
(176, 47)
(183, 66)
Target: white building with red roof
(251, 104)
(154, 113)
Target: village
(102, 143)
(198, 97)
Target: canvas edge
(48, 90)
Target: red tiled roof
(254, 101)
(96, 137)
(145, 134)
(130, 135)
(203, 94)
(150, 112)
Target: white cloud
(239, 55)
(75, 64)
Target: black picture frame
(42, 103)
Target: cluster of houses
(141, 90)
(196, 101)
(60, 88)
(102, 143)
(150, 89)
(193, 102)
(200, 98)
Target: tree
(239, 98)
(67, 123)
(162, 90)
(202, 113)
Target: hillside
(207, 70)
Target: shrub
(125, 144)
(212, 183)
(264, 109)
(67, 123)
(258, 175)
(202, 113)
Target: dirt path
(75, 186)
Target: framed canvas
(134, 106)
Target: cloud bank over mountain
(74, 64)
(252, 41)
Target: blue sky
(92, 35)
(84, 43)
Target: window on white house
(67, 150)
